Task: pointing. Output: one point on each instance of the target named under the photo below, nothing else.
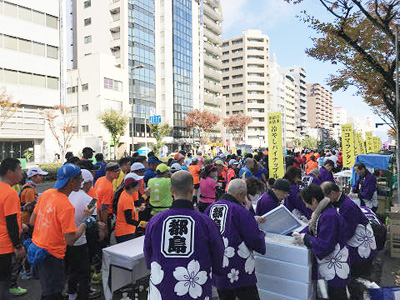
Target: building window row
(255, 40)
(87, 21)
(88, 39)
(237, 67)
(30, 79)
(112, 84)
(27, 46)
(237, 59)
(29, 15)
(74, 89)
(237, 50)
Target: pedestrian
(326, 171)
(194, 170)
(293, 202)
(188, 159)
(245, 172)
(127, 213)
(102, 170)
(182, 247)
(77, 259)
(87, 153)
(313, 177)
(152, 163)
(208, 187)
(125, 165)
(366, 187)
(273, 197)
(231, 173)
(325, 236)
(200, 158)
(54, 222)
(241, 237)
(160, 193)
(311, 165)
(10, 223)
(175, 167)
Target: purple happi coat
(366, 188)
(329, 248)
(182, 247)
(266, 203)
(241, 237)
(294, 204)
(359, 234)
(325, 175)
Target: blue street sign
(155, 119)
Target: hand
(20, 253)
(89, 221)
(143, 224)
(141, 207)
(299, 237)
(260, 219)
(103, 230)
(89, 212)
(147, 192)
(25, 227)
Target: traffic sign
(155, 119)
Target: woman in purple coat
(325, 236)
(326, 171)
(273, 197)
(293, 201)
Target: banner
(377, 144)
(275, 149)
(357, 148)
(348, 145)
(370, 142)
(362, 144)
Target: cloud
(240, 15)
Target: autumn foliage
(203, 122)
(236, 125)
(7, 107)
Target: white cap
(87, 176)
(176, 167)
(35, 171)
(133, 176)
(137, 166)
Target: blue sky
(289, 37)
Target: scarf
(316, 214)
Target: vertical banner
(357, 148)
(377, 144)
(275, 149)
(361, 143)
(348, 145)
(370, 142)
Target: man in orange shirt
(127, 214)
(54, 223)
(194, 169)
(311, 165)
(10, 222)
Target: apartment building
(320, 110)
(339, 118)
(30, 73)
(245, 82)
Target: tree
(7, 107)
(361, 37)
(61, 127)
(159, 132)
(115, 122)
(309, 143)
(236, 125)
(203, 122)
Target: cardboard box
(394, 249)
(394, 218)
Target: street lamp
(133, 88)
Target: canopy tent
(375, 161)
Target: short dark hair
(131, 185)
(291, 173)
(8, 164)
(271, 181)
(310, 192)
(360, 166)
(328, 187)
(239, 152)
(124, 161)
(329, 162)
(254, 185)
(99, 157)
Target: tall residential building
(245, 82)
(120, 35)
(30, 72)
(177, 64)
(300, 76)
(339, 118)
(320, 110)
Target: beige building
(320, 110)
(245, 82)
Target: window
(25, 78)
(10, 76)
(38, 49)
(237, 58)
(255, 56)
(255, 83)
(237, 85)
(10, 9)
(52, 83)
(226, 95)
(237, 94)
(10, 43)
(87, 21)
(85, 128)
(225, 53)
(225, 78)
(255, 48)
(24, 13)
(255, 92)
(237, 50)
(85, 87)
(87, 4)
(226, 44)
(225, 87)
(51, 22)
(52, 52)
(225, 61)
(25, 46)
(38, 17)
(237, 68)
(88, 39)
(255, 40)
(108, 83)
(39, 80)
(235, 42)
(85, 107)
(237, 76)
(225, 70)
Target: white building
(339, 118)
(30, 72)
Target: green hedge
(52, 169)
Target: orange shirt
(92, 193)
(126, 202)
(308, 157)
(9, 205)
(54, 218)
(311, 165)
(105, 193)
(141, 189)
(28, 195)
(195, 171)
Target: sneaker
(96, 278)
(93, 293)
(18, 291)
(26, 275)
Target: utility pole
(397, 114)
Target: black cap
(88, 150)
(282, 184)
(88, 165)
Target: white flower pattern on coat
(335, 264)
(233, 275)
(157, 275)
(228, 253)
(364, 240)
(248, 255)
(190, 280)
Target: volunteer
(366, 187)
(273, 197)
(160, 193)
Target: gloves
(89, 221)
(299, 237)
(143, 224)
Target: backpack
(117, 194)
(27, 206)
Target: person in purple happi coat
(182, 247)
(366, 187)
(241, 237)
(273, 197)
(293, 202)
(313, 177)
(326, 171)
(326, 237)
(359, 234)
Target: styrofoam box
(266, 295)
(284, 287)
(283, 269)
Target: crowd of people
(199, 217)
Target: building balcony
(213, 49)
(212, 25)
(210, 12)
(212, 99)
(213, 4)
(216, 63)
(115, 5)
(211, 36)
(213, 74)
(216, 88)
